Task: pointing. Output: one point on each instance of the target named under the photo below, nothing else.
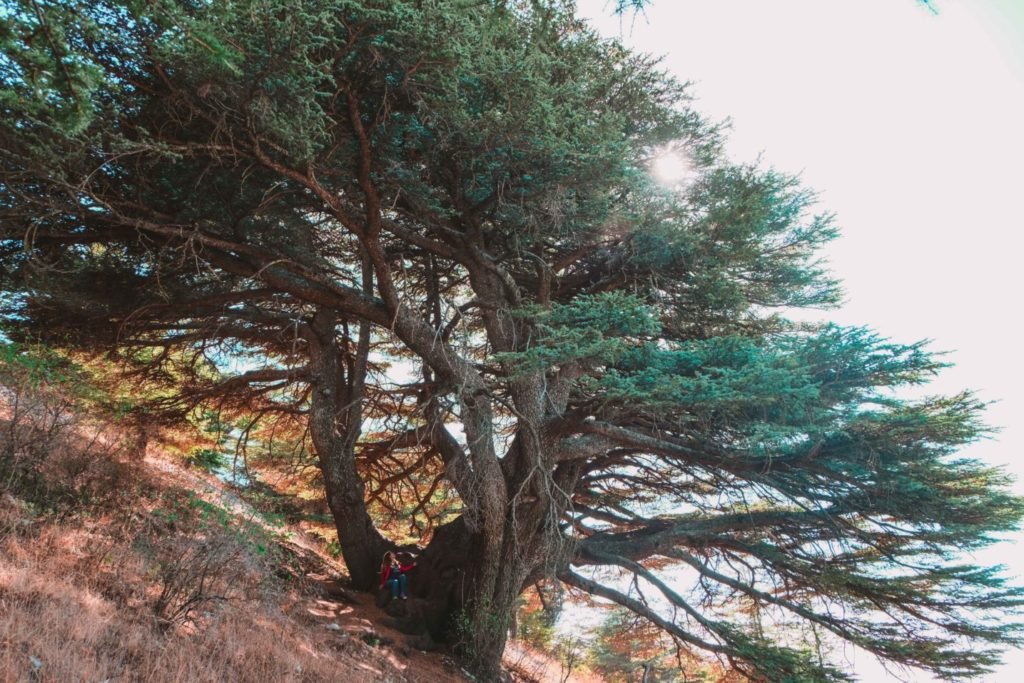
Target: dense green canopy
(428, 228)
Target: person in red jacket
(392, 574)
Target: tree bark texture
(335, 425)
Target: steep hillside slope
(133, 567)
(159, 573)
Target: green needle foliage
(425, 231)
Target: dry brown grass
(152, 572)
(78, 605)
(117, 564)
(77, 601)
(147, 573)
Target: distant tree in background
(427, 233)
(627, 647)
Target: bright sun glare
(671, 168)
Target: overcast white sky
(910, 125)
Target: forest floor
(164, 573)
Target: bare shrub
(198, 575)
(53, 452)
(201, 557)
